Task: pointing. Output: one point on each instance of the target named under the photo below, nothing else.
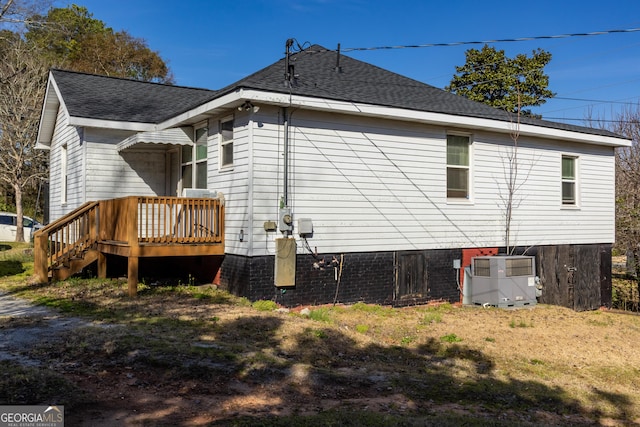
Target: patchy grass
(264, 305)
(220, 360)
(520, 323)
(21, 384)
(321, 314)
(16, 260)
(450, 338)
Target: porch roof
(173, 136)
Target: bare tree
(510, 170)
(14, 14)
(513, 179)
(29, 44)
(22, 85)
(627, 123)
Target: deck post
(134, 244)
(132, 275)
(102, 265)
(41, 257)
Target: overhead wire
(492, 41)
(517, 39)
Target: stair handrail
(48, 251)
(67, 218)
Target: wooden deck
(131, 227)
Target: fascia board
(112, 124)
(465, 122)
(49, 113)
(226, 101)
(449, 120)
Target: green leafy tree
(71, 38)
(511, 84)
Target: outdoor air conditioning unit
(503, 281)
(199, 193)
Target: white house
(343, 181)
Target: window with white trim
(64, 167)
(226, 143)
(194, 160)
(569, 180)
(458, 159)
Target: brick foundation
(371, 277)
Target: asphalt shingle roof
(316, 76)
(358, 81)
(110, 98)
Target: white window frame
(222, 144)
(575, 181)
(194, 161)
(468, 167)
(64, 168)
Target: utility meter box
(305, 227)
(503, 281)
(286, 221)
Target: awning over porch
(174, 136)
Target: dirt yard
(198, 357)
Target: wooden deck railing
(67, 238)
(161, 220)
(132, 226)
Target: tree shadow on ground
(335, 367)
(10, 268)
(257, 370)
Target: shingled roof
(319, 73)
(108, 98)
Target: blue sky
(212, 43)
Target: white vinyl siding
(367, 184)
(233, 182)
(132, 172)
(65, 186)
(379, 185)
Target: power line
(518, 39)
(595, 100)
(586, 120)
